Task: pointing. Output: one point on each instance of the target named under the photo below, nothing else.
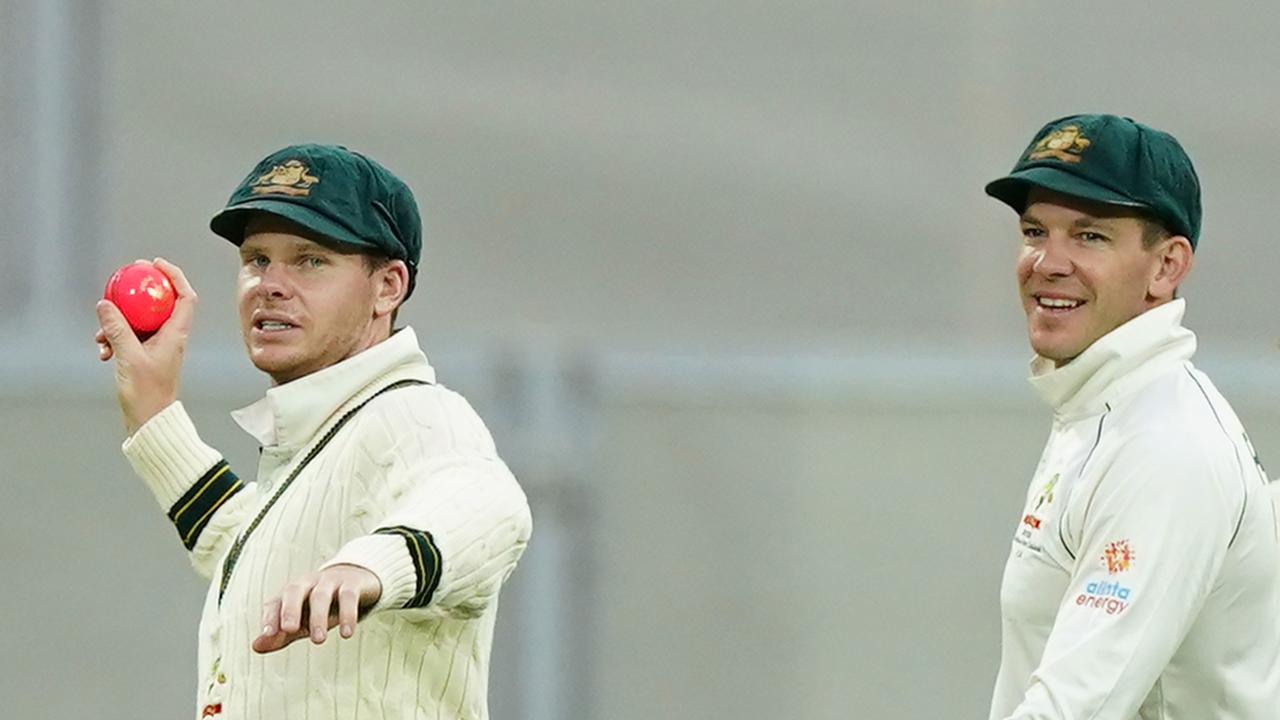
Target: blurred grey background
(720, 276)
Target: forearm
(450, 544)
(191, 482)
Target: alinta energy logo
(1110, 596)
(1117, 557)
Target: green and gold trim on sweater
(191, 513)
(426, 562)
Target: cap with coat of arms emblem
(1109, 159)
(338, 194)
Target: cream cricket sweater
(409, 487)
(1142, 577)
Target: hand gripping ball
(144, 294)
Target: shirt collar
(290, 414)
(1117, 363)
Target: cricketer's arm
(203, 498)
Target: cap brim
(1012, 189)
(231, 221)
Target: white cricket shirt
(410, 487)
(1142, 580)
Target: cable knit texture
(416, 457)
(169, 456)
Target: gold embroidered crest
(1065, 144)
(291, 178)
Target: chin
(1058, 359)
(273, 364)
(1059, 352)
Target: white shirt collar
(290, 414)
(1117, 363)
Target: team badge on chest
(1033, 519)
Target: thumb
(119, 335)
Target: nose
(275, 281)
(1051, 258)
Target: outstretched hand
(146, 372)
(307, 608)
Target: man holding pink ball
(380, 502)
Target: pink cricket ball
(144, 294)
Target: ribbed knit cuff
(167, 453)
(386, 556)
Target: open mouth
(1056, 305)
(273, 325)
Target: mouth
(1056, 305)
(271, 324)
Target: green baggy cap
(336, 193)
(1109, 159)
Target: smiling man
(1142, 577)
(380, 499)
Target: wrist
(369, 583)
(136, 416)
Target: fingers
(307, 608)
(114, 330)
(321, 599)
(184, 306)
(104, 347)
(272, 638)
(348, 609)
(180, 282)
(271, 616)
(291, 603)
(270, 642)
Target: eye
(313, 261)
(1030, 232)
(256, 260)
(1093, 237)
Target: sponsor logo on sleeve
(1110, 595)
(1117, 557)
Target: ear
(391, 283)
(1174, 258)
